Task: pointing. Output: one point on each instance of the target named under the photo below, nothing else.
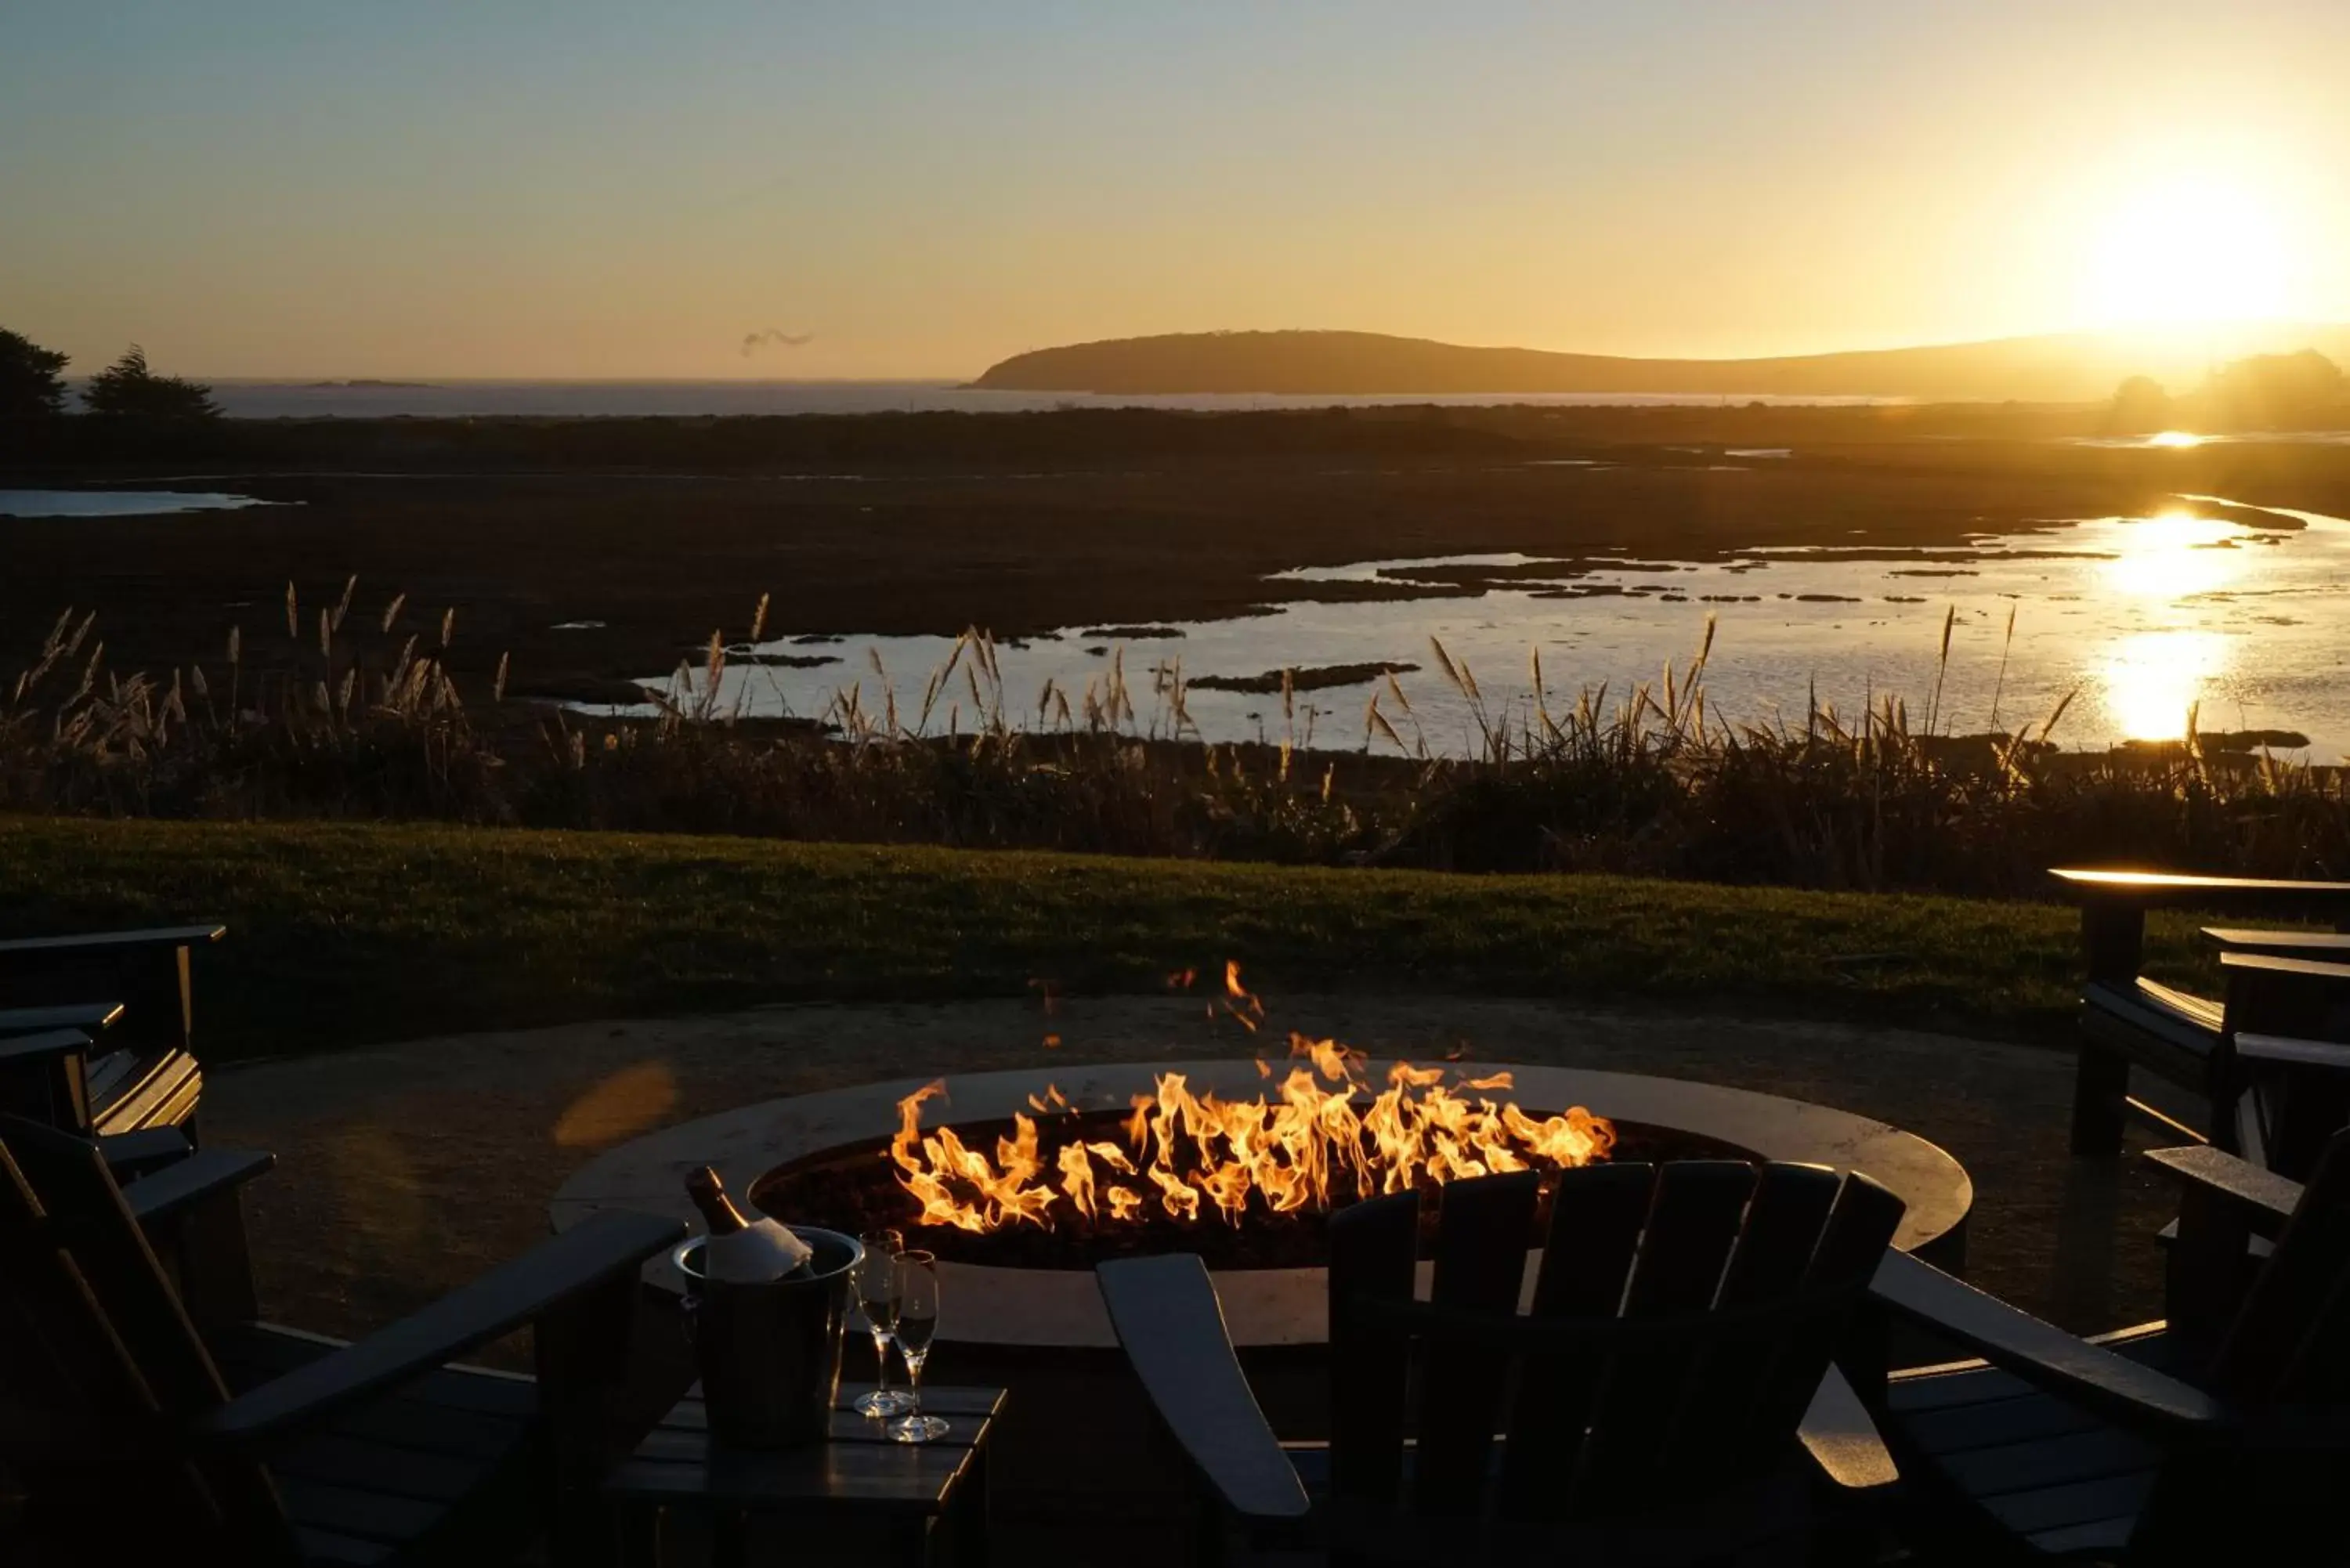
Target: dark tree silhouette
(2278, 383)
(127, 389)
(2139, 404)
(31, 385)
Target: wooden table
(858, 1497)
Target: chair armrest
(2310, 969)
(2331, 946)
(2262, 1197)
(154, 1200)
(2159, 890)
(2296, 997)
(2300, 1052)
(2229, 1208)
(16, 953)
(2040, 1353)
(90, 1017)
(1843, 1442)
(16, 1050)
(598, 1249)
(133, 1155)
(1167, 1317)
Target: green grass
(344, 934)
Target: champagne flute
(876, 1282)
(918, 1321)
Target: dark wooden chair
(2281, 985)
(131, 991)
(150, 1417)
(1642, 1409)
(2217, 1437)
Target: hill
(2061, 369)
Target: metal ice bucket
(770, 1352)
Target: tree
(2139, 404)
(127, 389)
(31, 386)
(2268, 387)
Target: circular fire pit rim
(1262, 1306)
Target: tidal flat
(592, 554)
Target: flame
(1245, 1007)
(1327, 1137)
(1078, 1177)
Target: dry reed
(359, 720)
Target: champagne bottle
(741, 1250)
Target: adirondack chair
(2216, 1437)
(2271, 1096)
(1680, 1322)
(134, 990)
(149, 1416)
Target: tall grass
(359, 716)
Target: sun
(2185, 250)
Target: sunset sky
(254, 187)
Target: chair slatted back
(1693, 1226)
(1481, 1260)
(1721, 1425)
(2292, 1109)
(77, 1417)
(152, 980)
(2290, 1341)
(130, 1294)
(1373, 1248)
(1587, 1256)
(2288, 1345)
(1680, 1320)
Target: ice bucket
(770, 1352)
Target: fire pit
(1246, 1184)
(1022, 1180)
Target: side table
(857, 1492)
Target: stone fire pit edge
(1040, 1308)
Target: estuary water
(119, 503)
(2235, 611)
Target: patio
(419, 1180)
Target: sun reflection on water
(2173, 556)
(2152, 678)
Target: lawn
(346, 933)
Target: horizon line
(2141, 331)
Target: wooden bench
(142, 1072)
(2278, 984)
